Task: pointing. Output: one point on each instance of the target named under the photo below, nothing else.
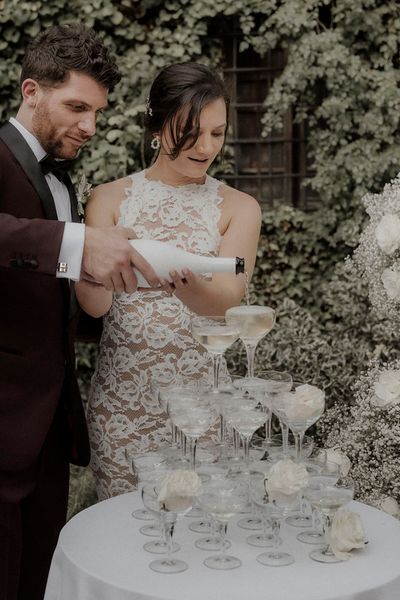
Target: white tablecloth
(99, 556)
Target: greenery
(342, 78)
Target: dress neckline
(177, 187)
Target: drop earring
(155, 143)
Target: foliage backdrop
(342, 77)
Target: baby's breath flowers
(368, 432)
(377, 258)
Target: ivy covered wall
(342, 77)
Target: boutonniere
(82, 194)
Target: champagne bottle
(165, 257)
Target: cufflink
(62, 267)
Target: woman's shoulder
(238, 200)
(114, 188)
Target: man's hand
(108, 259)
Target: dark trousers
(29, 528)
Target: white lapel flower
(347, 533)
(82, 194)
(387, 233)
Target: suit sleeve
(30, 244)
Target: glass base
(211, 543)
(168, 566)
(151, 530)
(142, 514)
(160, 547)
(260, 540)
(200, 526)
(299, 521)
(324, 555)
(311, 537)
(275, 559)
(195, 513)
(251, 523)
(222, 562)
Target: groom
(67, 73)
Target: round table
(100, 556)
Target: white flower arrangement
(82, 194)
(368, 433)
(377, 258)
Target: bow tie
(59, 168)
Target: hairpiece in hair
(149, 110)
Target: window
(270, 169)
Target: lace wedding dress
(146, 335)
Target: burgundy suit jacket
(37, 376)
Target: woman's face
(194, 162)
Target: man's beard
(46, 133)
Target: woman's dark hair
(58, 50)
(177, 96)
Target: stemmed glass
(223, 501)
(328, 499)
(143, 466)
(328, 474)
(168, 519)
(193, 414)
(246, 422)
(276, 383)
(216, 335)
(300, 409)
(254, 323)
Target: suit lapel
(26, 158)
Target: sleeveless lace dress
(146, 335)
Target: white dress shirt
(71, 250)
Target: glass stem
(222, 532)
(193, 447)
(250, 353)
(285, 437)
(216, 360)
(327, 527)
(276, 528)
(246, 445)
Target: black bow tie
(59, 168)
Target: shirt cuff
(71, 251)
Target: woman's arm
(102, 211)
(240, 228)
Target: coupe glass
(168, 519)
(246, 422)
(193, 414)
(216, 335)
(254, 322)
(328, 474)
(223, 501)
(143, 465)
(328, 499)
(276, 383)
(297, 416)
(277, 510)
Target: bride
(146, 335)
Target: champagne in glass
(254, 323)
(216, 335)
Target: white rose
(387, 388)
(305, 403)
(284, 481)
(390, 506)
(178, 488)
(347, 533)
(391, 283)
(388, 233)
(340, 458)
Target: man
(66, 75)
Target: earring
(155, 143)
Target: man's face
(64, 117)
